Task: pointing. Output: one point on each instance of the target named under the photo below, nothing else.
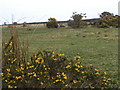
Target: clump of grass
(49, 70)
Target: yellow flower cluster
(79, 66)
(18, 77)
(61, 55)
(9, 86)
(64, 75)
(22, 68)
(31, 66)
(39, 60)
(41, 70)
(55, 59)
(18, 70)
(97, 73)
(68, 66)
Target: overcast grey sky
(41, 10)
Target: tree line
(106, 20)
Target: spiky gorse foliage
(106, 22)
(49, 70)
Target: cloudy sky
(40, 10)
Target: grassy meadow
(97, 46)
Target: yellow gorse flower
(82, 72)
(17, 70)
(56, 80)
(6, 43)
(76, 69)
(8, 70)
(105, 73)
(38, 78)
(11, 51)
(55, 59)
(61, 55)
(66, 85)
(96, 70)
(22, 68)
(14, 81)
(27, 67)
(6, 80)
(104, 80)
(53, 52)
(2, 74)
(18, 77)
(41, 83)
(10, 44)
(21, 65)
(9, 59)
(38, 61)
(31, 66)
(68, 66)
(65, 77)
(78, 57)
(39, 58)
(35, 75)
(5, 54)
(97, 73)
(104, 77)
(35, 56)
(30, 73)
(53, 78)
(28, 63)
(63, 74)
(74, 81)
(58, 76)
(53, 55)
(15, 86)
(9, 86)
(23, 75)
(109, 79)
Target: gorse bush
(106, 14)
(49, 70)
(106, 22)
(52, 23)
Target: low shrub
(49, 70)
(107, 22)
(76, 21)
(52, 23)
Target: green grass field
(96, 46)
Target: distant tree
(14, 23)
(24, 24)
(106, 14)
(76, 20)
(52, 23)
(5, 23)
